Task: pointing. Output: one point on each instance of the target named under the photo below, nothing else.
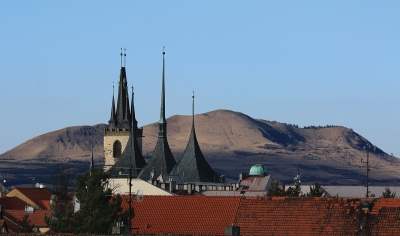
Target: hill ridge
(230, 141)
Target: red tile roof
(182, 214)
(39, 196)
(384, 217)
(12, 203)
(297, 216)
(15, 217)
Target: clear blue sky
(298, 62)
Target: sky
(297, 62)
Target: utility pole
(130, 199)
(368, 170)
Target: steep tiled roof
(39, 196)
(297, 216)
(255, 183)
(15, 217)
(183, 214)
(384, 217)
(12, 203)
(193, 166)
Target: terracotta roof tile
(183, 214)
(39, 196)
(12, 203)
(36, 218)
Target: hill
(231, 142)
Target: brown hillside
(232, 142)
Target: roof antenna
(121, 56)
(124, 57)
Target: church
(123, 144)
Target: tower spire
(193, 166)
(121, 56)
(111, 122)
(134, 121)
(162, 159)
(162, 123)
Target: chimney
(222, 178)
(189, 189)
(232, 230)
(242, 176)
(172, 185)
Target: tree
(274, 189)
(62, 207)
(316, 190)
(61, 180)
(26, 226)
(294, 191)
(99, 210)
(388, 194)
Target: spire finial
(193, 110)
(121, 56)
(113, 89)
(124, 57)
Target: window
(117, 149)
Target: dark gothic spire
(193, 167)
(162, 123)
(111, 122)
(122, 113)
(162, 160)
(134, 121)
(132, 155)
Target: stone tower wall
(110, 136)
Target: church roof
(193, 166)
(162, 160)
(120, 118)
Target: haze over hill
(231, 142)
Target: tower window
(117, 149)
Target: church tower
(120, 125)
(193, 167)
(162, 161)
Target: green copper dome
(257, 169)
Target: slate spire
(122, 112)
(193, 167)
(132, 155)
(162, 123)
(111, 122)
(162, 160)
